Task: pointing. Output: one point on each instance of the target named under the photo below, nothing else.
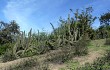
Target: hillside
(94, 52)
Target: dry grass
(98, 43)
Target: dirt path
(82, 59)
(90, 57)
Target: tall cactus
(23, 44)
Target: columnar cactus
(23, 44)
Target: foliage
(105, 25)
(5, 47)
(67, 52)
(8, 32)
(107, 41)
(105, 19)
(81, 47)
(8, 56)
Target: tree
(105, 24)
(8, 32)
(105, 19)
(13, 27)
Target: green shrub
(60, 58)
(4, 47)
(81, 47)
(8, 56)
(107, 41)
(67, 51)
(6, 52)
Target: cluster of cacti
(67, 37)
(23, 44)
(73, 29)
(32, 44)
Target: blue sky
(37, 14)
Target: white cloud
(28, 13)
(21, 12)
